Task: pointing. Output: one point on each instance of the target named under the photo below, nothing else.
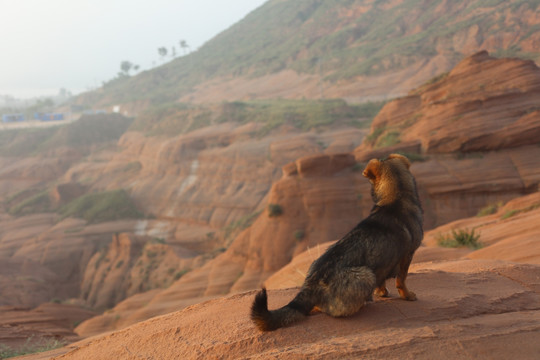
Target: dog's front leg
(404, 293)
(381, 291)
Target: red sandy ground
(466, 309)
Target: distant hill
(334, 48)
(83, 135)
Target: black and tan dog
(380, 247)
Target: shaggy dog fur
(380, 247)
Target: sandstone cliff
(321, 197)
(474, 129)
(483, 104)
(211, 196)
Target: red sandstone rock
(198, 182)
(465, 308)
(483, 104)
(47, 321)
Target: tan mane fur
(384, 181)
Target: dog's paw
(382, 291)
(409, 296)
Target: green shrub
(489, 209)
(509, 214)
(101, 207)
(274, 210)
(460, 238)
(372, 138)
(433, 80)
(181, 273)
(30, 347)
(88, 131)
(389, 139)
(177, 118)
(39, 202)
(157, 240)
(299, 234)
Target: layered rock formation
(476, 129)
(21, 326)
(44, 259)
(130, 265)
(465, 297)
(482, 309)
(510, 233)
(321, 197)
(255, 203)
(328, 187)
(205, 179)
(483, 104)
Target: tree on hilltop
(162, 51)
(184, 46)
(126, 66)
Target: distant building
(49, 116)
(7, 118)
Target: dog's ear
(372, 170)
(405, 161)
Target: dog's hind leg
(404, 293)
(348, 291)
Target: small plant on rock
(274, 210)
(299, 234)
(489, 209)
(460, 238)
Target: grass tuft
(460, 238)
(489, 209)
(30, 347)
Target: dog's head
(389, 178)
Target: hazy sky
(46, 45)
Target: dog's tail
(268, 320)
